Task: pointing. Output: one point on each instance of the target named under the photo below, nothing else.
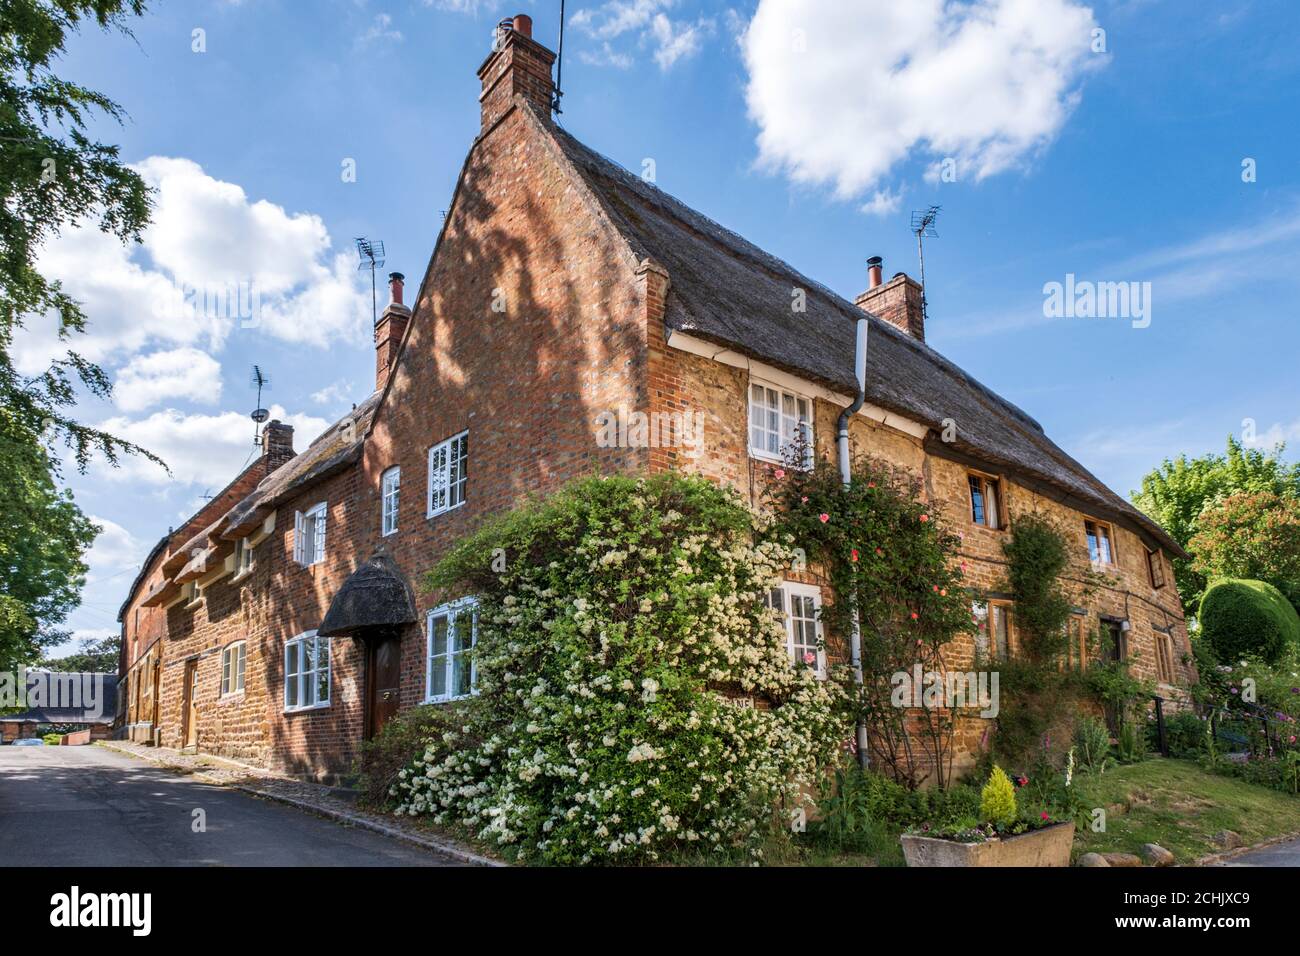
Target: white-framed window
(452, 633)
(800, 608)
(777, 419)
(448, 462)
(389, 485)
(243, 557)
(232, 668)
(309, 535)
(193, 592)
(307, 672)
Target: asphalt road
(1279, 854)
(86, 806)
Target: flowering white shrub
(611, 654)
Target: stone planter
(1049, 846)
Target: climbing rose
(823, 517)
(780, 473)
(925, 518)
(854, 555)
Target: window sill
(231, 697)
(433, 514)
(388, 534)
(447, 700)
(305, 710)
(247, 572)
(191, 605)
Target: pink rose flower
(823, 517)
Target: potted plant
(1004, 836)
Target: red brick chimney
(277, 444)
(517, 64)
(897, 301)
(389, 330)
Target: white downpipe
(846, 475)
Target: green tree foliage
(1254, 535)
(1241, 618)
(93, 656)
(42, 537)
(1176, 493)
(54, 174)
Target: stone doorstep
(347, 817)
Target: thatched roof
(374, 595)
(726, 290)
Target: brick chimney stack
(277, 444)
(389, 330)
(517, 64)
(897, 301)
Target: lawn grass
(1180, 806)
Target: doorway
(383, 677)
(190, 710)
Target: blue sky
(812, 127)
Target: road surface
(87, 806)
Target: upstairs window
(232, 668)
(1100, 549)
(389, 486)
(800, 607)
(193, 592)
(984, 501)
(778, 421)
(448, 473)
(309, 536)
(307, 672)
(1156, 569)
(452, 633)
(243, 557)
(1164, 657)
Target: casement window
(778, 421)
(448, 462)
(307, 672)
(309, 535)
(800, 609)
(193, 592)
(993, 637)
(452, 632)
(243, 557)
(1115, 640)
(985, 500)
(1164, 656)
(389, 486)
(1101, 549)
(1156, 568)
(232, 668)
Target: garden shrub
(998, 800)
(389, 752)
(1185, 735)
(1240, 617)
(618, 620)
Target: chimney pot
(874, 267)
(523, 23)
(395, 281)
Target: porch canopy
(374, 595)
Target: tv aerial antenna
(371, 254)
(259, 380)
(559, 67)
(923, 221)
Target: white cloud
(842, 92)
(212, 261)
(114, 552)
(673, 40)
(199, 449)
(884, 202)
(180, 373)
(380, 30)
(333, 393)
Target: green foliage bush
(625, 619)
(1091, 744)
(1241, 617)
(1185, 735)
(998, 800)
(390, 751)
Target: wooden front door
(383, 674)
(191, 711)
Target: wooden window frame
(992, 608)
(1156, 569)
(447, 660)
(299, 676)
(795, 421)
(1076, 642)
(390, 485)
(233, 667)
(1098, 527)
(448, 474)
(1164, 656)
(998, 522)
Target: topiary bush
(1241, 617)
(620, 620)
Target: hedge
(1240, 617)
